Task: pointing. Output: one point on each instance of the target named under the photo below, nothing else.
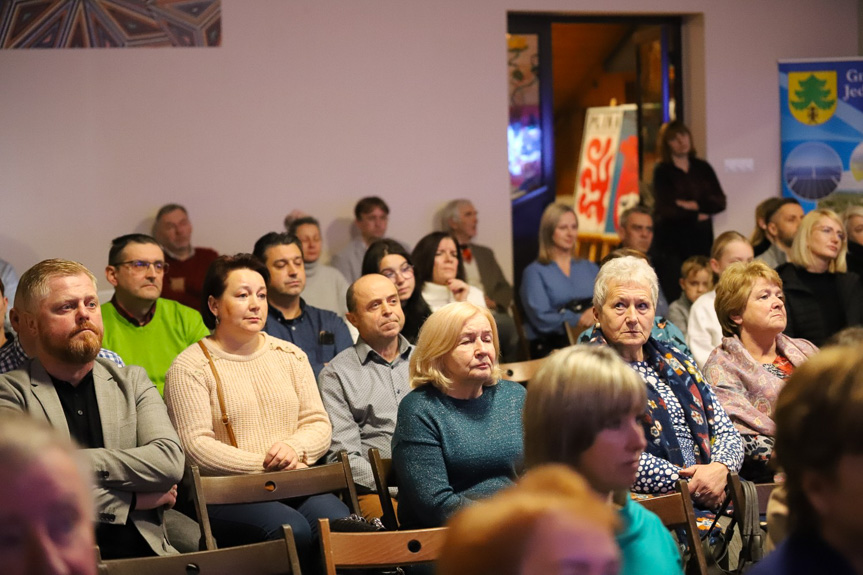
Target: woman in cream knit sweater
(271, 400)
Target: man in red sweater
(184, 279)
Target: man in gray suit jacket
(115, 413)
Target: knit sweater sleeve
(314, 431)
(189, 389)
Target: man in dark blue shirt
(320, 333)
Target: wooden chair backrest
(739, 498)
(521, 371)
(385, 477)
(594, 247)
(270, 486)
(277, 557)
(379, 550)
(676, 511)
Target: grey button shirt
(361, 393)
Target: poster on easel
(821, 103)
(607, 178)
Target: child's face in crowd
(697, 283)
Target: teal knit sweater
(448, 452)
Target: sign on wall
(607, 178)
(821, 103)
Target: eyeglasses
(144, 265)
(406, 271)
(828, 231)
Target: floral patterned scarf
(681, 374)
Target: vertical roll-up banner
(821, 104)
(607, 180)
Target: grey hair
(625, 270)
(451, 212)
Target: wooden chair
(379, 550)
(521, 371)
(270, 486)
(739, 498)
(572, 333)
(385, 477)
(277, 557)
(594, 247)
(676, 512)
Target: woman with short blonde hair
(583, 409)
(749, 368)
(458, 434)
(556, 288)
(821, 298)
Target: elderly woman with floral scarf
(750, 366)
(688, 433)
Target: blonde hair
(438, 336)
(723, 240)
(492, 537)
(578, 392)
(801, 253)
(733, 290)
(547, 224)
(33, 286)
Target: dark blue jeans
(255, 522)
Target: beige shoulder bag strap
(225, 419)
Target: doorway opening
(561, 66)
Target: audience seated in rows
(114, 413)
(696, 278)
(458, 435)
(782, 219)
(583, 409)
(276, 418)
(320, 333)
(556, 289)
(325, 285)
(749, 368)
(819, 441)
(141, 326)
(362, 387)
(46, 509)
(635, 228)
(390, 259)
(688, 433)
(550, 523)
(703, 332)
(820, 296)
(184, 278)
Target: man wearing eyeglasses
(144, 328)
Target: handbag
(716, 545)
(225, 420)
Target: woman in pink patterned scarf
(750, 366)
